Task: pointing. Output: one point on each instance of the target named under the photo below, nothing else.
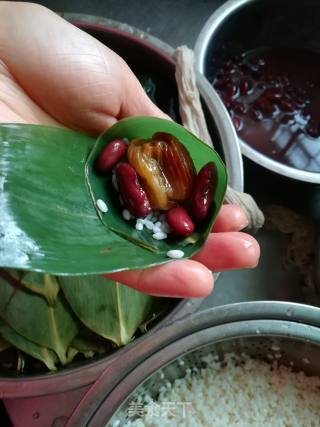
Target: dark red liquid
(273, 96)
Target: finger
(230, 218)
(229, 251)
(179, 279)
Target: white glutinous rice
(175, 253)
(126, 214)
(157, 230)
(102, 206)
(149, 224)
(159, 236)
(139, 225)
(156, 225)
(236, 392)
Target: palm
(52, 73)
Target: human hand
(54, 74)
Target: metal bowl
(266, 330)
(154, 55)
(241, 25)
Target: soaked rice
(252, 393)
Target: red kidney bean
(110, 155)
(203, 189)
(286, 105)
(266, 107)
(245, 86)
(231, 89)
(228, 102)
(273, 95)
(221, 82)
(133, 195)
(227, 66)
(180, 221)
(239, 108)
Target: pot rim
(202, 43)
(278, 319)
(78, 376)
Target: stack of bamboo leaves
(55, 318)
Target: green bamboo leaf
(101, 187)
(85, 345)
(71, 354)
(158, 311)
(3, 344)
(88, 346)
(47, 356)
(29, 315)
(48, 218)
(109, 309)
(41, 284)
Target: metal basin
(260, 329)
(242, 25)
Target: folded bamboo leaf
(29, 315)
(3, 344)
(88, 348)
(85, 345)
(47, 356)
(41, 284)
(48, 221)
(102, 188)
(71, 354)
(110, 309)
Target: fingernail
(244, 224)
(253, 252)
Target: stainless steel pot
(240, 25)
(260, 329)
(59, 392)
